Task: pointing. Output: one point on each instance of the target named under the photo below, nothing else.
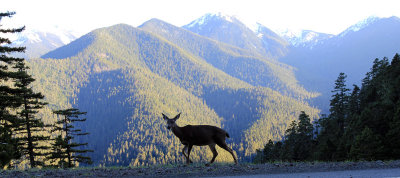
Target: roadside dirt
(197, 170)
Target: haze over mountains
(318, 58)
(215, 71)
(42, 41)
(351, 52)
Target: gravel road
(372, 173)
(300, 169)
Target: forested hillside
(228, 29)
(125, 77)
(215, 71)
(237, 62)
(363, 123)
(40, 42)
(351, 52)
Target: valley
(218, 72)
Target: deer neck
(177, 131)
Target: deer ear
(164, 116)
(177, 116)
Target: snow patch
(199, 21)
(33, 37)
(305, 38)
(225, 16)
(66, 36)
(255, 27)
(360, 25)
(203, 19)
(40, 35)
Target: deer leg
(215, 154)
(188, 154)
(184, 154)
(225, 147)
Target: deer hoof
(208, 164)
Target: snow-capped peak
(225, 16)
(255, 27)
(300, 37)
(33, 35)
(360, 25)
(260, 30)
(200, 21)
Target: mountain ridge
(352, 54)
(231, 31)
(39, 42)
(228, 61)
(125, 77)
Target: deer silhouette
(199, 135)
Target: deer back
(201, 134)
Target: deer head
(171, 122)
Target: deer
(199, 135)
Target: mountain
(234, 61)
(273, 44)
(305, 38)
(230, 30)
(125, 77)
(39, 42)
(360, 25)
(351, 52)
(215, 71)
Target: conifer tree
(367, 146)
(370, 127)
(392, 138)
(65, 150)
(304, 137)
(267, 152)
(31, 130)
(9, 101)
(333, 127)
(339, 102)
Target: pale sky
(328, 16)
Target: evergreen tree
(330, 146)
(298, 143)
(352, 122)
(65, 150)
(9, 101)
(289, 142)
(364, 125)
(304, 137)
(393, 95)
(277, 151)
(339, 102)
(267, 152)
(31, 130)
(367, 146)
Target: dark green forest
(363, 123)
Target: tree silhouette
(30, 130)
(65, 150)
(9, 100)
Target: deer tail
(227, 135)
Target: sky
(82, 16)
